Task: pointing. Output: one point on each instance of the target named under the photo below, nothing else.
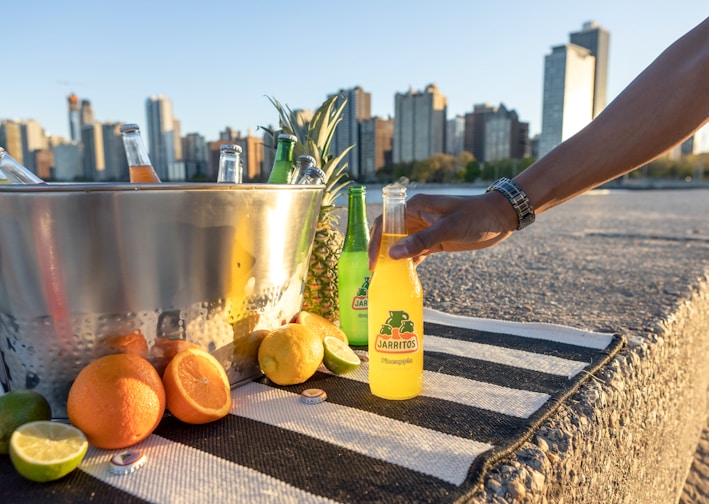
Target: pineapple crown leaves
(315, 138)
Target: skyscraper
(74, 118)
(568, 94)
(94, 160)
(87, 113)
(419, 124)
(114, 152)
(575, 81)
(161, 137)
(357, 109)
(597, 40)
(377, 135)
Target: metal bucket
(207, 263)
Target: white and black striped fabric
(487, 386)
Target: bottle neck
(136, 153)
(394, 215)
(12, 172)
(229, 168)
(284, 151)
(357, 235)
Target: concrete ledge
(630, 262)
(629, 435)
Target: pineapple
(320, 295)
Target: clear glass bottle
(395, 310)
(283, 163)
(140, 168)
(313, 176)
(12, 172)
(304, 162)
(353, 269)
(229, 164)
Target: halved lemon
(45, 451)
(339, 357)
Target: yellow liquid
(395, 327)
(143, 174)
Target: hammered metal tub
(82, 264)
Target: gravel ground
(627, 262)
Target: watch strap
(517, 198)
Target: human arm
(663, 105)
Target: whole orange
(116, 401)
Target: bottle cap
(363, 355)
(230, 148)
(313, 175)
(306, 160)
(127, 128)
(128, 461)
(289, 136)
(313, 396)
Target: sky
(218, 61)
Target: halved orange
(197, 387)
(322, 326)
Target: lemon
(290, 354)
(18, 407)
(45, 451)
(339, 358)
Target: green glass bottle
(283, 164)
(353, 269)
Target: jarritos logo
(397, 335)
(359, 301)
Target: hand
(448, 223)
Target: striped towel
(487, 385)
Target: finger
(421, 242)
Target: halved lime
(45, 451)
(339, 357)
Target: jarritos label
(359, 301)
(397, 335)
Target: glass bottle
(229, 164)
(395, 310)
(140, 168)
(313, 176)
(12, 172)
(353, 269)
(304, 162)
(283, 163)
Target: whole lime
(19, 407)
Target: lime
(45, 451)
(339, 357)
(18, 407)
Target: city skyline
(218, 74)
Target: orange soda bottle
(395, 310)
(140, 168)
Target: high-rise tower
(348, 132)
(87, 113)
(568, 94)
(419, 124)
(597, 40)
(74, 118)
(161, 135)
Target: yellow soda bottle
(395, 310)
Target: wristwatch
(518, 198)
